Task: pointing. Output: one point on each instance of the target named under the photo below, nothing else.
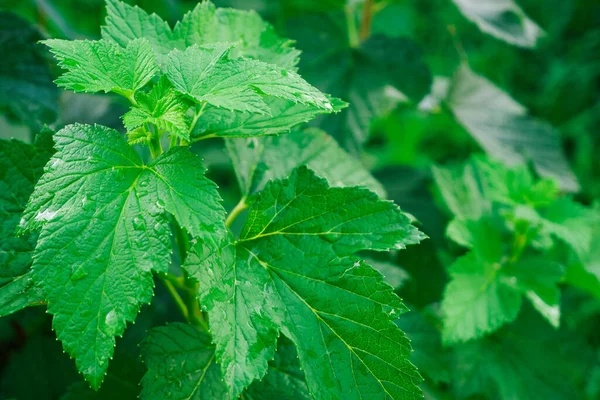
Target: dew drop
(46, 215)
(332, 237)
(284, 72)
(144, 183)
(160, 228)
(111, 321)
(78, 273)
(139, 223)
(160, 203)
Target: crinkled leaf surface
(282, 116)
(181, 364)
(505, 131)
(160, 106)
(259, 160)
(103, 229)
(208, 74)
(101, 65)
(503, 19)
(293, 271)
(204, 25)
(284, 379)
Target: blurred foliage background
(430, 83)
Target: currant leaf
(207, 74)
(102, 216)
(260, 160)
(293, 271)
(94, 66)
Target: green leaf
(95, 66)
(470, 189)
(259, 160)
(125, 23)
(538, 278)
(208, 74)
(487, 284)
(17, 294)
(21, 165)
(181, 364)
(475, 301)
(374, 77)
(503, 19)
(282, 116)
(526, 360)
(104, 228)
(572, 223)
(505, 130)
(26, 87)
(293, 271)
(284, 379)
(161, 107)
(204, 25)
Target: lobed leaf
(293, 271)
(207, 74)
(204, 25)
(103, 223)
(260, 160)
(181, 362)
(161, 107)
(95, 66)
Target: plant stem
(241, 206)
(196, 117)
(188, 287)
(353, 38)
(178, 300)
(458, 44)
(367, 18)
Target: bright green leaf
(161, 107)
(293, 271)
(104, 228)
(204, 25)
(95, 66)
(259, 160)
(208, 74)
(282, 116)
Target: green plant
(105, 218)
(477, 117)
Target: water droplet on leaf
(139, 223)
